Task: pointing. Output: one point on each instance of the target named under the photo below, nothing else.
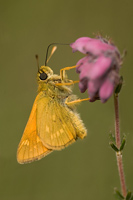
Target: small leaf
(131, 198)
(129, 195)
(123, 144)
(113, 146)
(119, 86)
(119, 195)
(111, 137)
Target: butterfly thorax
(48, 82)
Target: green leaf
(114, 146)
(119, 86)
(131, 198)
(129, 195)
(111, 137)
(123, 144)
(118, 194)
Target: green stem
(118, 144)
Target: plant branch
(118, 145)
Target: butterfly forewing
(30, 147)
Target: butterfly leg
(62, 71)
(62, 75)
(70, 83)
(76, 101)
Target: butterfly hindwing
(57, 125)
(31, 147)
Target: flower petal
(93, 87)
(81, 63)
(83, 85)
(106, 90)
(79, 44)
(88, 45)
(100, 67)
(85, 71)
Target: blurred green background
(86, 169)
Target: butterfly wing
(57, 125)
(31, 147)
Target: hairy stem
(118, 144)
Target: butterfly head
(44, 73)
(48, 81)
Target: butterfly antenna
(53, 50)
(37, 59)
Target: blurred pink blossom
(99, 69)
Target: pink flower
(99, 69)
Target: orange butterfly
(53, 123)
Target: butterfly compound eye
(43, 76)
